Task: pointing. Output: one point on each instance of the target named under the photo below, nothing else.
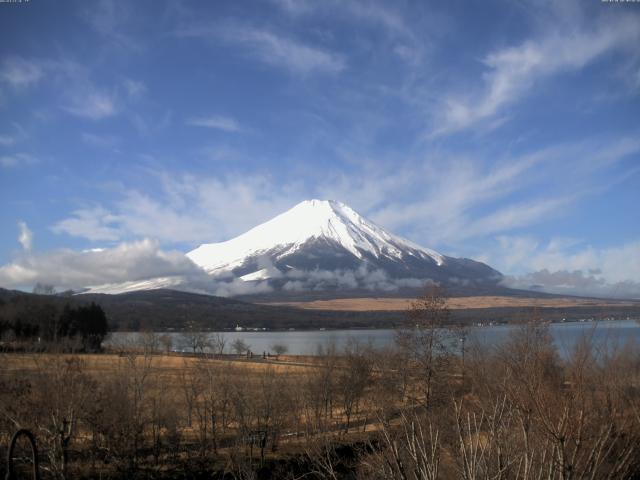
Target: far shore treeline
(167, 310)
(39, 321)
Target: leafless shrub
(409, 451)
(425, 343)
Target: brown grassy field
(146, 390)
(166, 365)
(455, 303)
(353, 414)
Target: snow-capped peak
(309, 220)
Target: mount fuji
(320, 246)
(324, 244)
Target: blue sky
(507, 132)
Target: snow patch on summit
(307, 221)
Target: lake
(305, 342)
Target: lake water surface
(305, 342)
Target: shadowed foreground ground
(411, 411)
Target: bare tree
(320, 390)
(167, 342)
(410, 451)
(217, 342)
(273, 407)
(239, 346)
(279, 349)
(424, 340)
(61, 398)
(191, 386)
(353, 379)
(149, 342)
(196, 339)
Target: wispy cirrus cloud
(101, 141)
(376, 14)
(16, 135)
(404, 41)
(17, 160)
(218, 122)
(270, 47)
(20, 72)
(281, 51)
(445, 199)
(513, 71)
(110, 20)
(134, 88)
(516, 215)
(92, 104)
(25, 236)
(189, 210)
(74, 85)
(438, 200)
(7, 140)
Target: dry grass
(169, 365)
(456, 303)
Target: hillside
(174, 310)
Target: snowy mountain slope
(311, 220)
(317, 246)
(328, 236)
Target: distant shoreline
(487, 324)
(454, 303)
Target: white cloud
(190, 209)
(446, 199)
(147, 125)
(363, 277)
(92, 104)
(411, 55)
(437, 200)
(95, 224)
(285, 52)
(440, 200)
(513, 71)
(378, 15)
(272, 48)
(617, 264)
(7, 140)
(143, 264)
(25, 237)
(19, 72)
(75, 87)
(575, 282)
(135, 261)
(368, 12)
(102, 141)
(110, 19)
(568, 266)
(219, 122)
(134, 88)
(230, 288)
(19, 134)
(407, 37)
(517, 215)
(17, 159)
